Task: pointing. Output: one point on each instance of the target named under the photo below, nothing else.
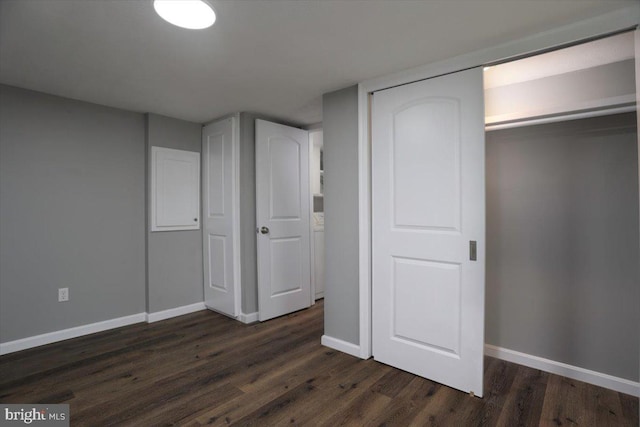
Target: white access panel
(175, 189)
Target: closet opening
(562, 224)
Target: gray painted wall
(562, 243)
(174, 258)
(248, 244)
(340, 132)
(72, 213)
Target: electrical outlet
(63, 294)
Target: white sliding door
(428, 228)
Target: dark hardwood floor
(205, 369)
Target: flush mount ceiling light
(191, 14)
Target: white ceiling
(275, 57)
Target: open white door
(282, 218)
(428, 210)
(220, 198)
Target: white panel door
(220, 239)
(428, 206)
(282, 218)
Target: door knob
(264, 230)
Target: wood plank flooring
(205, 369)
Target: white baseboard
(65, 334)
(175, 312)
(343, 346)
(597, 378)
(248, 317)
(78, 331)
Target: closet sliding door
(428, 228)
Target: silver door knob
(264, 230)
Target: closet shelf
(535, 119)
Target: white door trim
(237, 270)
(312, 252)
(637, 43)
(601, 26)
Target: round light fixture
(191, 14)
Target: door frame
(621, 20)
(312, 251)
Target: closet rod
(561, 117)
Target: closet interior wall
(562, 223)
